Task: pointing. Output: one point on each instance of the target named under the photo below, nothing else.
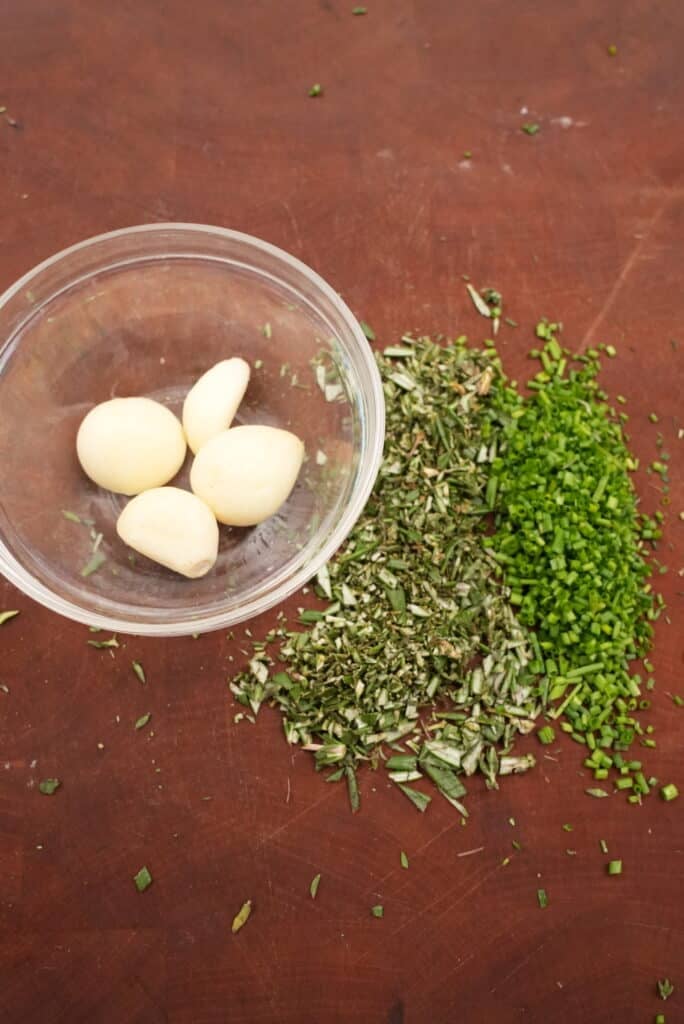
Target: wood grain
(135, 112)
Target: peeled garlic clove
(172, 527)
(130, 444)
(212, 402)
(245, 474)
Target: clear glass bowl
(145, 311)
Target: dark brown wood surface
(131, 112)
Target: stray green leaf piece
(604, 845)
(467, 154)
(352, 788)
(542, 898)
(49, 786)
(665, 988)
(313, 888)
(612, 50)
(404, 860)
(316, 89)
(659, 1018)
(418, 799)
(378, 910)
(143, 879)
(266, 330)
(71, 516)
(367, 330)
(112, 642)
(669, 792)
(241, 917)
(567, 828)
(359, 10)
(530, 128)
(597, 792)
(516, 845)
(95, 562)
(6, 616)
(143, 720)
(615, 867)
(139, 671)
(546, 735)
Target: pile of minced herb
(443, 639)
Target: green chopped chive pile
(441, 641)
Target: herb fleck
(530, 128)
(143, 879)
(316, 90)
(143, 720)
(242, 916)
(404, 860)
(378, 910)
(6, 616)
(139, 671)
(49, 786)
(313, 888)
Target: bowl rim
(15, 572)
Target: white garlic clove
(245, 474)
(172, 527)
(213, 400)
(128, 445)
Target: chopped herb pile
(415, 614)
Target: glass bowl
(145, 311)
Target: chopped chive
(546, 735)
(669, 792)
(313, 888)
(316, 89)
(71, 516)
(143, 879)
(139, 671)
(378, 910)
(597, 792)
(615, 867)
(95, 562)
(49, 786)
(404, 860)
(542, 898)
(241, 917)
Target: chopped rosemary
(242, 916)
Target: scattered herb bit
(467, 155)
(567, 828)
(313, 888)
(143, 720)
(516, 845)
(404, 860)
(4, 688)
(612, 50)
(665, 988)
(266, 330)
(95, 562)
(571, 853)
(604, 845)
(615, 867)
(378, 910)
(542, 898)
(659, 1018)
(478, 302)
(49, 786)
(242, 916)
(139, 671)
(143, 879)
(530, 128)
(359, 10)
(669, 792)
(546, 735)
(597, 792)
(316, 90)
(71, 516)
(100, 644)
(6, 616)
(418, 799)
(367, 330)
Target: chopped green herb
(546, 735)
(515, 844)
(604, 845)
(659, 1018)
(530, 128)
(143, 879)
(467, 155)
(367, 330)
(241, 917)
(143, 720)
(267, 331)
(378, 910)
(418, 799)
(100, 644)
(669, 792)
(612, 50)
(49, 786)
(479, 303)
(313, 888)
(139, 671)
(615, 867)
(6, 616)
(567, 828)
(597, 792)
(665, 988)
(359, 10)
(404, 860)
(542, 898)
(316, 90)
(95, 562)
(71, 516)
